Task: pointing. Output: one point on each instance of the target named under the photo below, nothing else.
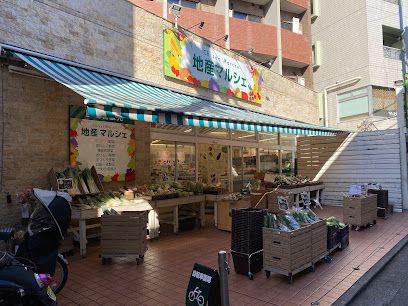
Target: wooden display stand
(224, 207)
(360, 211)
(287, 253)
(123, 236)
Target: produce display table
(82, 215)
(176, 203)
(294, 195)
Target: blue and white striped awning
(108, 96)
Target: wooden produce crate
(360, 211)
(224, 207)
(287, 253)
(319, 240)
(123, 236)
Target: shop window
(268, 138)
(353, 104)
(287, 162)
(384, 102)
(212, 132)
(243, 135)
(287, 140)
(186, 162)
(243, 167)
(213, 165)
(162, 161)
(269, 161)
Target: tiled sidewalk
(162, 278)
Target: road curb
(361, 283)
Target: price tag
(65, 184)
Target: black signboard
(204, 287)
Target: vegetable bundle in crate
(337, 234)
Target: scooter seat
(9, 285)
(6, 233)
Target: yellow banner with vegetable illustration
(201, 65)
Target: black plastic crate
(344, 237)
(246, 236)
(332, 237)
(242, 264)
(382, 197)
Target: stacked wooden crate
(319, 240)
(123, 235)
(360, 211)
(287, 253)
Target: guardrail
(392, 53)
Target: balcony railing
(392, 1)
(392, 53)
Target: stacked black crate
(382, 201)
(246, 240)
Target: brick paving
(162, 278)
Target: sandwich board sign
(204, 287)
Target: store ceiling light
(155, 141)
(250, 51)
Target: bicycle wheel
(60, 276)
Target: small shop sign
(204, 287)
(203, 66)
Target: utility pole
(401, 115)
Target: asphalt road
(389, 286)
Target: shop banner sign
(201, 65)
(204, 287)
(109, 146)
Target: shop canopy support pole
(223, 270)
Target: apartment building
(274, 33)
(357, 55)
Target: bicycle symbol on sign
(196, 296)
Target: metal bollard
(223, 269)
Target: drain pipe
(333, 87)
(223, 269)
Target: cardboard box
(224, 208)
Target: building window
(353, 104)
(316, 54)
(184, 3)
(393, 42)
(245, 16)
(384, 102)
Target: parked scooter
(37, 271)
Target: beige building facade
(113, 35)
